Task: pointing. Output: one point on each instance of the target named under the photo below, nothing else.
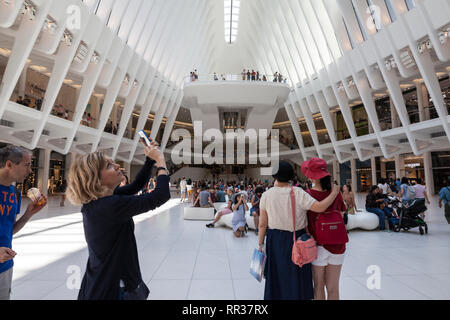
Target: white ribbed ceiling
(294, 37)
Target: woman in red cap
(284, 279)
(330, 257)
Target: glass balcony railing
(237, 77)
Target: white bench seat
(195, 213)
(363, 220)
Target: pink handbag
(303, 252)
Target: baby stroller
(409, 218)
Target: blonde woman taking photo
(113, 271)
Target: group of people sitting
(235, 195)
(237, 205)
(111, 128)
(378, 198)
(27, 102)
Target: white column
(44, 170)
(95, 111)
(68, 163)
(115, 111)
(353, 170)
(426, 101)
(394, 115)
(383, 169)
(373, 165)
(336, 173)
(399, 166)
(428, 168)
(334, 119)
(420, 99)
(23, 81)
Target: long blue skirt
(284, 279)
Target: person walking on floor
(444, 198)
(407, 192)
(421, 195)
(183, 189)
(189, 189)
(285, 280)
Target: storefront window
(306, 135)
(390, 170)
(341, 130)
(361, 120)
(445, 89)
(441, 169)
(364, 175)
(57, 172)
(322, 132)
(412, 105)
(383, 107)
(414, 168)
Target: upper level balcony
(211, 98)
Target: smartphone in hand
(144, 137)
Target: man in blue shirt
(220, 195)
(444, 196)
(15, 166)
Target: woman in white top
(284, 279)
(189, 189)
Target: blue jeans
(382, 214)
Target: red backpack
(330, 228)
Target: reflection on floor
(184, 260)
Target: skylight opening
(232, 10)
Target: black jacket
(109, 231)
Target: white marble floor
(185, 260)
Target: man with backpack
(407, 192)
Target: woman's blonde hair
(83, 184)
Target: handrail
(235, 77)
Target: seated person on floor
(212, 194)
(376, 204)
(220, 195)
(204, 198)
(227, 210)
(196, 197)
(349, 199)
